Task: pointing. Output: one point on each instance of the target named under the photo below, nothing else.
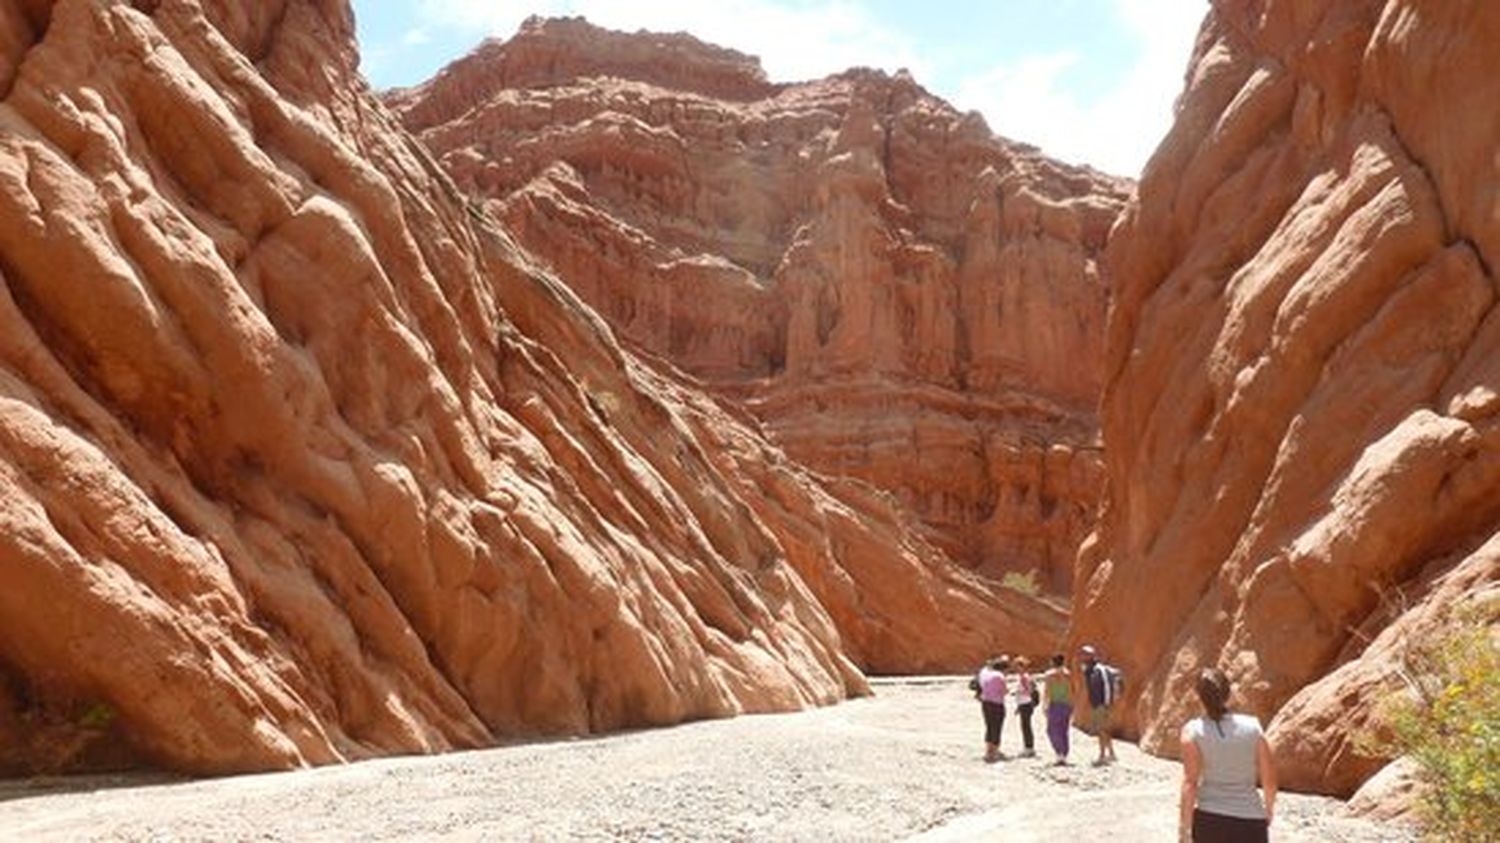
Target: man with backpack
(1103, 684)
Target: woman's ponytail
(1213, 692)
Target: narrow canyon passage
(604, 381)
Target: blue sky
(1089, 81)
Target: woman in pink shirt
(992, 690)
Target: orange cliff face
(303, 460)
(898, 295)
(1302, 407)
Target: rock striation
(898, 295)
(1301, 413)
(303, 459)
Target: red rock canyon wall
(302, 459)
(1302, 399)
(897, 294)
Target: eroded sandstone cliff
(1302, 404)
(302, 459)
(897, 294)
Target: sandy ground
(902, 765)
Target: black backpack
(1113, 680)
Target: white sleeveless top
(1229, 765)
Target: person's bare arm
(1192, 770)
(1267, 764)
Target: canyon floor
(901, 765)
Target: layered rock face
(897, 294)
(302, 459)
(1302, 408)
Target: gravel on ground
(903, 764)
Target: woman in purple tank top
(1059, 684)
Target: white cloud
(1024, 100)
(374, 59)
(793, 42)
(1115, 131)
(416, 38)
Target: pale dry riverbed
(902, 765)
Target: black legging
(994, 718)
(1025, 712)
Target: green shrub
(97, 716)
(1448, 721)
(1024, 583)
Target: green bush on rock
(1448, 721)
(1024, 583)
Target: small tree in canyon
(1448, 721)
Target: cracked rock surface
(1301, 412)
(303, 460)
(898, 294)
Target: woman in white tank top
(1222, 755)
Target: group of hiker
(1004, 676)
(1224, 753)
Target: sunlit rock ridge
(1301, 413)
(303, 459)
(897, 294)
